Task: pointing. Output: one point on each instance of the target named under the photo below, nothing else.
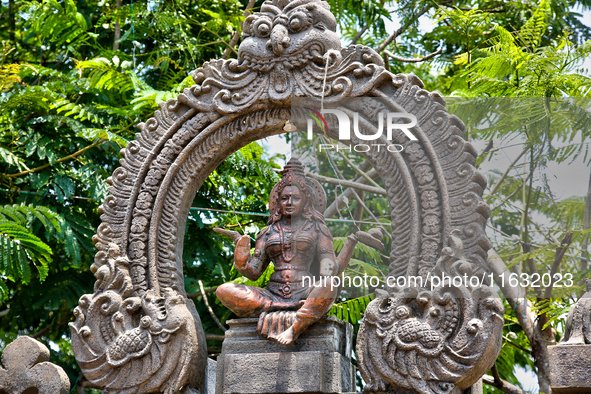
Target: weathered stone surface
(318, 362)
(570, 360)
(431, 341)
(210, 372)
(120, 329)
(25, 366)
(328, 335)
(578, 322)
(476, 388)
(570, 368)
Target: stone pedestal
(210, 375)
(318, 362)
(570, 368)
(476, 388)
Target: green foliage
(19, 246)
(351, 310)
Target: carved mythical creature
(297, 242)
(431, 341)
(133, 343)
(285, 52)
(295, 32)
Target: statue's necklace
(286, 243)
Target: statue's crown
(294, 167)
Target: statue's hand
(373, 238)
(235, 235)
(242, 252)
(242, 242)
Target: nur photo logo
(376, 131)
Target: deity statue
(300, 245)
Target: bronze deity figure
(300, 245)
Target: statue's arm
(326, 256)
(251, 267)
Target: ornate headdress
(294, 175)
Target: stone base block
(210, 374)
(570, 368)
(476, 388)
(318, 362)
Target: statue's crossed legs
(282, 319)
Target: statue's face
(291, 201)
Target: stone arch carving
(138, 333)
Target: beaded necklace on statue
(288, 241)
(291, 239)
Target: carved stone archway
(138, 333)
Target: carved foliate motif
(138, 333)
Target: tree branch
(504, 176)
(117, 27)
(215, 318)
(586, 226)
(413, 60)
(46, 330)
(514, 295)
(510, 342)
(499, 383)
(215, 337)
(359, 34)
(508, 197)
(398, 32)
(371, 214)
(197, 295)
(359, 199)
(351, 184)
(348, 193)
(489, 146)
(560, 251)
(69, 157)
(364, 29)
(358, 170)
(238, 33)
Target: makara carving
(297, 241)
(26, 368)
(431, 341)
(138, 333)
(132, 341)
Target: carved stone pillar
(570, 360)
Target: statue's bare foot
(287, 337)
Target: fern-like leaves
(19, 247)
